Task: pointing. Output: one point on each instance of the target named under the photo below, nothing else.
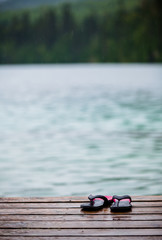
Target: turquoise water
(80, 129)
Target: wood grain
(73, 199)
(73, 211)
(64, 205)
(86, 217)
(80, 232)
(81, 224)
(82, 238)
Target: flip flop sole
(121, 209)
(97, 205)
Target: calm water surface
(80, 129)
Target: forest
(62, 36)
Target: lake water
(80, 129)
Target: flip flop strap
(91, 198)
(121, 197)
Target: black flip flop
(121, 203)
(96, 202)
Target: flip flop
(121, 203)
(96, 202)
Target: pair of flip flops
(118, 203)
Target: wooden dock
(61, 219)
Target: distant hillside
(80, 8)
(78, 5)
(82, 31)
(21, 4)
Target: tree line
(123, 36)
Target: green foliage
(128, 32)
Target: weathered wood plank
(64, 205)
(72, 199)
(83, 238)
(80, 232)
(72, 211)
(81, 224)
(86, 217)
